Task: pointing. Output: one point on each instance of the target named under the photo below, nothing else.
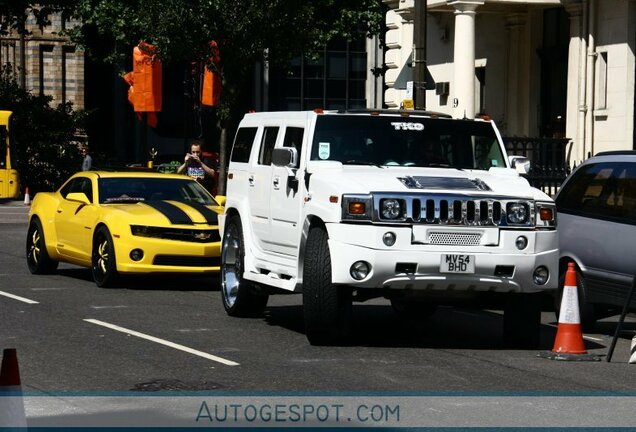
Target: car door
(596, 222)
(286, 196)
(259, 180)
(74, 221)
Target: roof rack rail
(616, 153)
(393, 111)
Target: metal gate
(548, 158)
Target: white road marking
(109, 307)
(163, 342)
(593, 338)
(15, 297)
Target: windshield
(406, 141)
(134, 189)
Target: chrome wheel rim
(101, 258)
(231, 266)
(34, 247)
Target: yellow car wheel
(38, 258)
(104, 264)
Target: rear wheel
(327, 307)
(522, 321)
(38, 258)
(240, 297)
(104, 263)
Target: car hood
(502, 182)
(166, 213)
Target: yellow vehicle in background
(9, 178)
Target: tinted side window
(294, 138)
(243, 144)
(78, 184)
(602, 190)
(267, 145)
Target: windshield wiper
(360, 162)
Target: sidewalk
(12, 203)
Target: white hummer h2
(415, 207)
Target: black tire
(587, 311)
(412, 309)
(522, 321)
(241, 298)
(103, 259)
(327, 308)
(37, 256)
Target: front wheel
(240, 297)
(38, 258)
(104, 263)
(327, 307)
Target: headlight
(517, 213)
(141, 230)
(390, 208)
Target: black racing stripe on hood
(210, 217)
(174, 214)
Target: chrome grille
(454, 239)
(450, 209)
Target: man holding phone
(196, 167)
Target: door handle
(59, 210)
(250, 179)
(276, 182)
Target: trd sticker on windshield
(323, 150)
(408, 126)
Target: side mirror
(285, 157)
(220, 199)
(520, 163)
(79, 197)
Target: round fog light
(521, 242)
(136, 254)
(541, 275)
(388, 238)
(360, 270)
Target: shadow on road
(454, 328)
(158, 282)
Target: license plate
(452, 263)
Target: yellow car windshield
(118, 190)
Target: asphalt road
(171, 333)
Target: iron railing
(548, 158)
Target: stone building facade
(52, 65)
(540, 68)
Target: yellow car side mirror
(220, 199)
(79, 197)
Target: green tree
(182, 29)
(44, 145)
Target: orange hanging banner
(211, 87)
(145, 81)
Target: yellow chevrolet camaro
(123, 223)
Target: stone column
(515, 100)
(576, 105)
(463, 85)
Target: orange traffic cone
(12, 413)
(27, 197)
(569, 344)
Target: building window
(601, 89)
(334, 80)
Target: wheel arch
(310, 222)
(50, 236)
